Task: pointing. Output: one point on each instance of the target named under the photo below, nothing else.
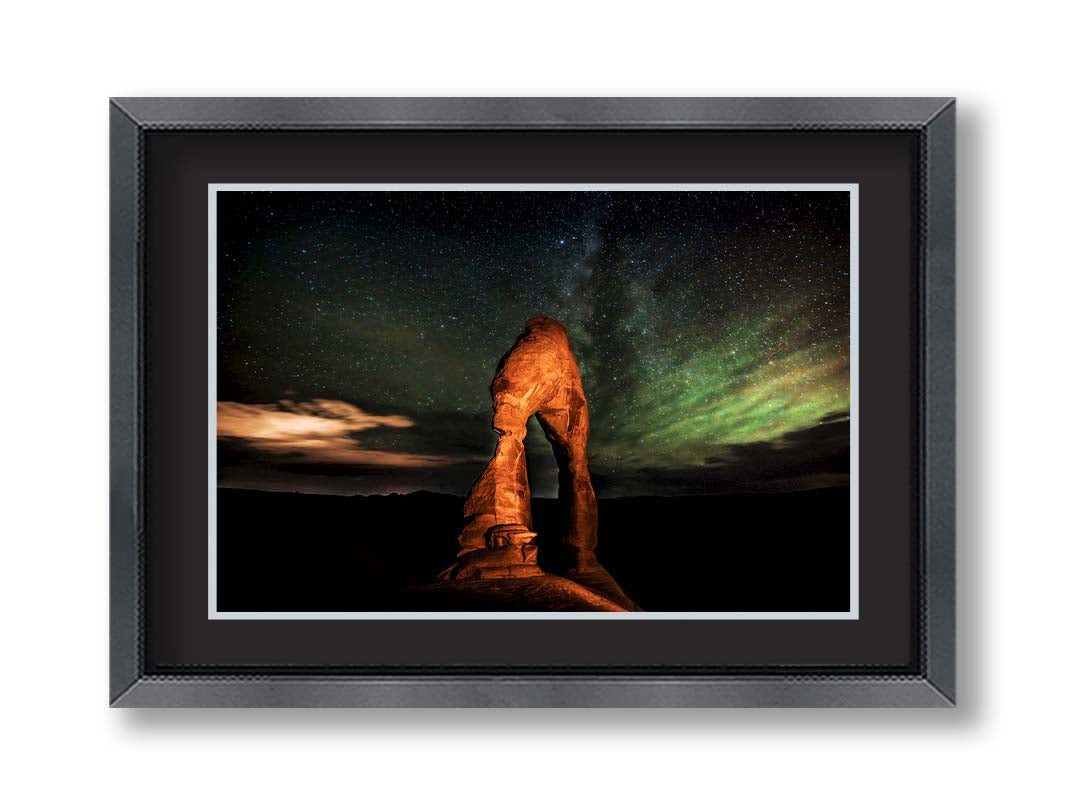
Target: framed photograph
(532, 402)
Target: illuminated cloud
(315, 431)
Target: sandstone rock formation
(544, 593)
(509, 553)
(537, 376)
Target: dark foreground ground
(304, 552)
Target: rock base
(539, 593)
(510, 553)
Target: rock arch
(537, 377)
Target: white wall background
(59, 63)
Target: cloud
(820, 450)
(806, 458)
(315, 432)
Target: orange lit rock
(537, 377)
(544, 593)
(510, 553)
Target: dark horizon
(358, 333)
(751, 552)
(239, 488)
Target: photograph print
(533, 401)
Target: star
(711, 328)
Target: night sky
(358, 333)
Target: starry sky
(358, 333)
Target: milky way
(711, 329)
